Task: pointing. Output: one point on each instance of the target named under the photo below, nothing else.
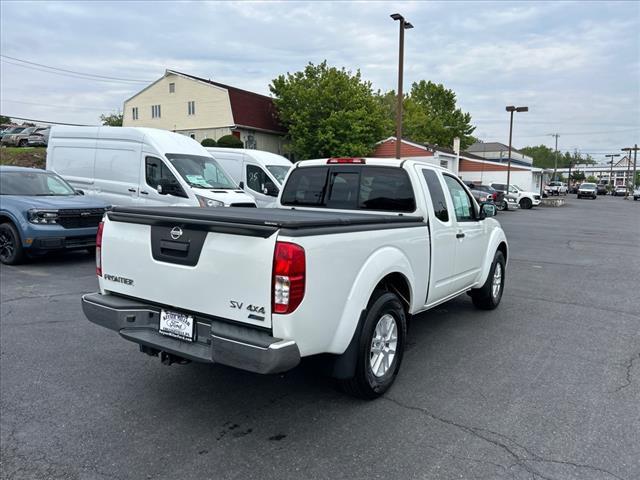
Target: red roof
(249, 109)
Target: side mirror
(166, 187)
(487, 210)
(270, 189)
(79, 192)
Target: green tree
(329, 112)
(545, 157)
(577, 176)
(112, 119)
(431, 116)
(4, 119)
(208, 142)
(230, 141)
(592, 179)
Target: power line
(96, 76)
(52, 123)
(67, 107)
(585, 133)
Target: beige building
(203, 109)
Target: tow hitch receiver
(169, 358)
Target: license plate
(177, 325)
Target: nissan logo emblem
(176, 233)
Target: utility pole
(633, 149)
(404, 25)
(612, 155)
(574, 159)
(555, 166)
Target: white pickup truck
(354, 249)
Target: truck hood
(54, 202)
(227, 196)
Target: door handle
(459, 235)
(144, 192)
(132, 190)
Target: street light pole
(555, 165)
(511, 109)
(633, 149)
(612, 155)
(404, 25)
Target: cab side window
(155, 170)
(258, 180)
(437, 195)
(462, 204)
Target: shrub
(208, 142)
(230, 141)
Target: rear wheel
(501, 205)
(489, 295)
(11, 251)
(380, 348)
(22, 143)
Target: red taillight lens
(289, 271)
(99, 249)
(346, 160)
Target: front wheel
(380, 348)
(11, 251)
(489, 295)
(526, 203)
(501, 205)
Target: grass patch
(34, 157)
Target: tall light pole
(404, 25)
(555, 165)
(633, 149)
(612, 155)
(512, 109)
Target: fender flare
(497, 237)
(382, 262)
(7, 215)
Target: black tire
(365, 383)
(501, 205)
(11, 251)
(22, 143)
(484, 297)
(526, 203)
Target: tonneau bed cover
(262, 221)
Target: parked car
(557, 188)
(602, 188)
(11, 131)
(40, 212)
(574, 188)
(259, 174)
(354, 248)
(588, 190)
(480, 195)
(524, 198)
(620, 190)
(18, 139)
(141, 166)
(39, 138)
(636, 193)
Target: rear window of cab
(350, 188)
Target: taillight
(346, 160)
(289, 271)
(99, 249)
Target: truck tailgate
(182, 264)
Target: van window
(258, 180)
(201, 172)
(437, 195)
(462, 204)
(279, 171)
(355, 188)
(156, 170)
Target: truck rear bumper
(216, 341)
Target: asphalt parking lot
(547, 386)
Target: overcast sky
(575, 64)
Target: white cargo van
(141, 166)
(260, 174)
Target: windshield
(588, 186)
(279, 172)
(201, 172)
(36, 183)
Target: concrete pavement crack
(628, 367)
(33, 297)
(574, 304)
(508, 445)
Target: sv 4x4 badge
(254, 309)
